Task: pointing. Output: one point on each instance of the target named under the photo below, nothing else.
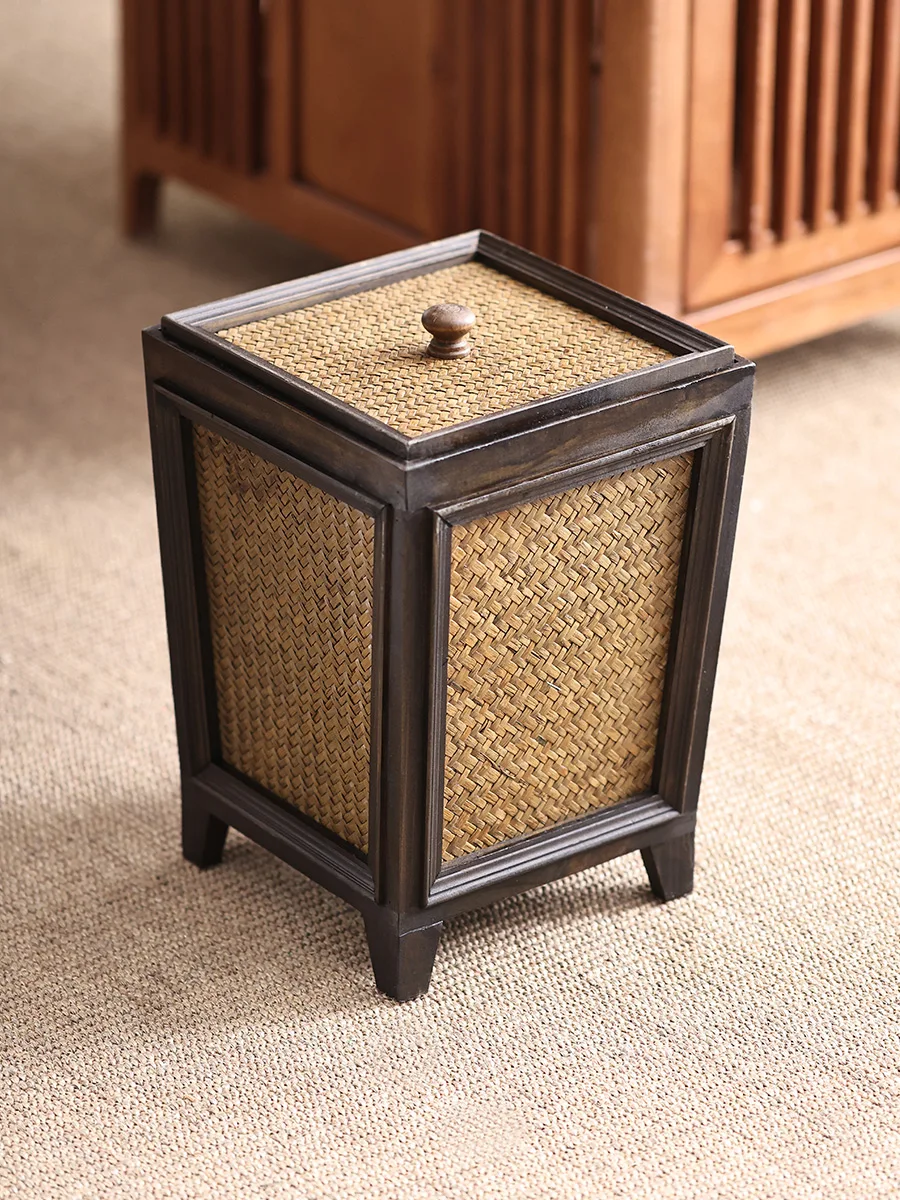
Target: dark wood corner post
(403, 937)
(202, 832)
(716, 497)
(670, 867)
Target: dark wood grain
(401, 961)
(701, 610)
(406, 707)
(202, 834)
(575, 846)
(212, 391)
(184, 583)
(670, 867)
(283, 830)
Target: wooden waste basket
(444, 603)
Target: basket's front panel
(289, 572)
(560, 618)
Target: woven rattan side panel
(560, 617)
(289, 572)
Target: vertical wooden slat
(758, 43)
(479, 60)
(284, 23)
(451, 160)
(790, 118)
(516, 121)
(544, 92)
(184, 117)
(228, 94)
(133, 63)
(824, 75)
(712, 103)
(139, 187)
(465, 118)
(172, 67)
(219, 90)
(853, 108)
(524, 66)
(574, 41)
(592, 138)
(151, 32)
(884, 132)
(490, 144)
(195, 55)
(245, 86)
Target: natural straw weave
(289, 580)
(560, 615)
(369, 348)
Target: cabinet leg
(140, 203)
(202, 835)
(402, 962)
(670, 866)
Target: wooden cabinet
(731, 161)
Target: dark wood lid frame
(696, 353)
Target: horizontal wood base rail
(807, 307)
(739, 273)
(294, 208)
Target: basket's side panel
(289, 574)
(560, 618)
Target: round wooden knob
(449, 326)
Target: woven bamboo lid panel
(368, 349)
(560, 616)
(289, 572)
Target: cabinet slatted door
(224, 95)
(196, 80)
(519, 106)
(809, 179)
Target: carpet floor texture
(167, 1033)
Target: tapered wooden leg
(202, 835)
(670, 866)
(140, 203)
(402, 962)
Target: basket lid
(404, 355)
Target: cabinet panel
(365, 78)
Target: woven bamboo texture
(289, 572)
(560, 616)
(368, 349)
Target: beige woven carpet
(166, 1033)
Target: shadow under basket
(444, 603)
